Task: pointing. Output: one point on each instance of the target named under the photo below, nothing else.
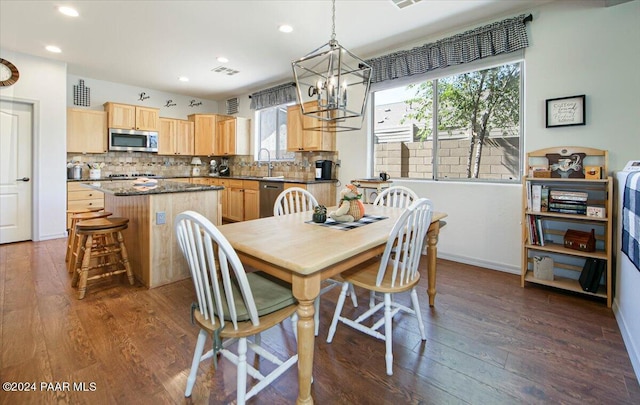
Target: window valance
(500, 37)
(282, 94)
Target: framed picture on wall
(565, 111)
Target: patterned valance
(500, 37)
(282, 94)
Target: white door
(15, 171)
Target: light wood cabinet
(204, 133)
(543, 230)
(86, 131)
(301, 139)
(233, 136)
(128, 116)
(81, 198)
(251, 199)
(235, 201)
(325, 193)
(175, 137)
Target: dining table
(295, 249)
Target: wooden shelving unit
(568, 263)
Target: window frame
(500, 60)
(257, 142)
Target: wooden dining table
(303, 254)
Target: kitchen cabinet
(128, 116)
(81, 198)
(325, 193)
(175, 137)
(233, 136)
(86, 131)
(205, 126)
(300, 139)
(251, 199)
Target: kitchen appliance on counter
(224, 168)
(213, 168)
(132, 140)
(323, 169)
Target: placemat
(345, 226)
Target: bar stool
(100, 239)
(72, 240)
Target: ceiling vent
(232, 106)
(225, 70)
(404, 3)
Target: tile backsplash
(301, 168)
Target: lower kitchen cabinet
(325, 193)
(251, 199)
(81, 198)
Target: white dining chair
(231, 305)
(390, 275)
(396, 196)
(297, 199)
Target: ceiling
(151, 43)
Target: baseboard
(632, 350)
(49, 237)
(506, 268)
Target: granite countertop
(130, 187)
(283, 180)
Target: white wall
(103, 91)
(42, 83)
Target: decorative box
(597, 212)
(579, 240)
(542, 173)
(592, 172)
(543, 267)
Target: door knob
(23, 179)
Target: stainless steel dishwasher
(269, 191)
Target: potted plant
(320, 214)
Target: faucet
(269, 164)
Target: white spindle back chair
(226, 304)
(395, 272)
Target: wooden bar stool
(100, 248)
(72, 240)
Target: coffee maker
(213, 168)
(323, 169)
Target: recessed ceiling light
(68, 11)
(222, 59)
(285, 28)
(53, 49)
(183, 79)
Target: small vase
(95, 173)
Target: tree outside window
(478, 125)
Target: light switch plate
(161, 218)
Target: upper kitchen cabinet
(86, 131)
(300, 139)
(233, 136)
(204, 133)
(176, 137)
(127, 116)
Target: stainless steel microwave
(132, 140)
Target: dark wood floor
(489, 342)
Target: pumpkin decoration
(320, 214)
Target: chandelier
(332, 85)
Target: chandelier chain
(333, 20)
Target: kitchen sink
(272, 177)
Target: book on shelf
(536, 197)
(544, 199)
(535, 230)
(591, 274)
(573, 211)
(568, 195)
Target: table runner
(345, 226)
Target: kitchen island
(151, 207)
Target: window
(475, 117)
(271, 133)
